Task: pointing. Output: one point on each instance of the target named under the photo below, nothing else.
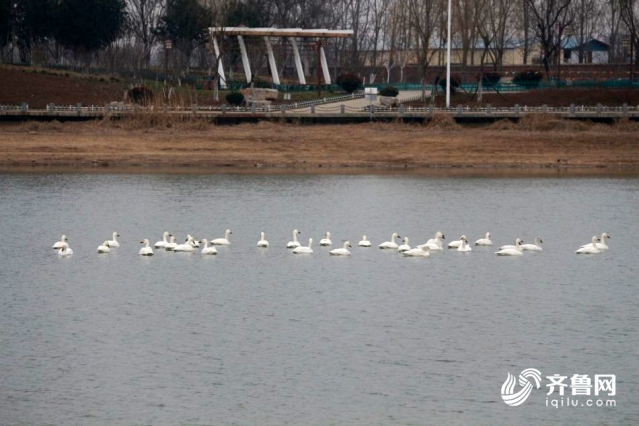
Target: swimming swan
(188, 246)
(171, 245)
(61, 243)
(390, 244)
(262, 242)
(511, 251)
(65, 250)
(456, 244)
(146, 250)
(511, 246)
(304, 250)
(364, 242)
(192, 241)
(164, 242)
(114, 241)
(484, 241)
(435, 243)
(326, 241)
(464, 247)
(533, 247)
(104, 248)
(207, 249)
(342, 251)
(294, 243)
(422, 251)
(589, 248)
(601, 245)
(223, 241)
(404, 247)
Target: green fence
(513, 87)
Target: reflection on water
(261, 336)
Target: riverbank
(533, 143)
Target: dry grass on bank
(167, 141)
(171, 123)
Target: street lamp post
(448, 57)
(168, 45)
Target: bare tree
(585, 23)
(379, 17)
(630, 16)
(466, 14)
(611, 20)
(424, 19)
(551, 17)
(496, 29)
(143, 17)
(399, 36)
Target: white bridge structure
(267, 33)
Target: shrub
(528, 78)
(455, 82)
(235, 98)
(348, 82)
(389, 91)
(141, 95)
(490, 78)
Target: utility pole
(168, 45)
(319, 68)
(15, 51)
(448, 57)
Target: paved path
(353, 105)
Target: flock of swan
(191, 244)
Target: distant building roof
(592, 45)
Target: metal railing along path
(321, 107)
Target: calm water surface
(264, 337)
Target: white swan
(146, 250)
(104, 247)
(456, 244)
(61, 243)
(435, 243)
(590, 248)
(171, 245)
(304, 250)
(533, 247)
(188, 246)
(195, 243)
(464, 247)
(341, 251)
(294, 243)
(511, 251)
(422, 251)
(222, 241)
(511, 246)
(390, 244)
(164, 242)
(65, 250)
(364, 242)
(484, 241)
(207, 249)
(262, 242)
(326, 241)
(404, 247)
(114, 241)
(601, 245)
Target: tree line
(387, 34)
